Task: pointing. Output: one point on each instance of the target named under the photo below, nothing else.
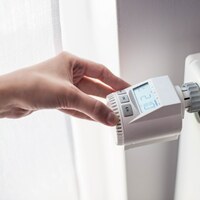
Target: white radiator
(188, 170)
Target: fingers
(92, 87)
(76, 113)
(100, 72)
(95, 109)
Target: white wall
(155, 36)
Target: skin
(64, 82)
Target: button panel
(127, 110)
(124, 98)
(121, 92)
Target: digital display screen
(145, 97)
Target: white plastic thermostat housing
(148, 112)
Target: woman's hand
(64, 83)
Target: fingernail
(112, 119)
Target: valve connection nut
(191, 92)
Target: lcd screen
(145, 97)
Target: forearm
(5, 96)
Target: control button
(127, 110)
(124, 98)
(121, 92)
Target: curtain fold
(89, 30)
(36, 158)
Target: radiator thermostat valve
(152, 111)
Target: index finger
(102, 73)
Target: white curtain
(48, 155)
(36, 159)
(89, 29)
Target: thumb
(95, 109)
